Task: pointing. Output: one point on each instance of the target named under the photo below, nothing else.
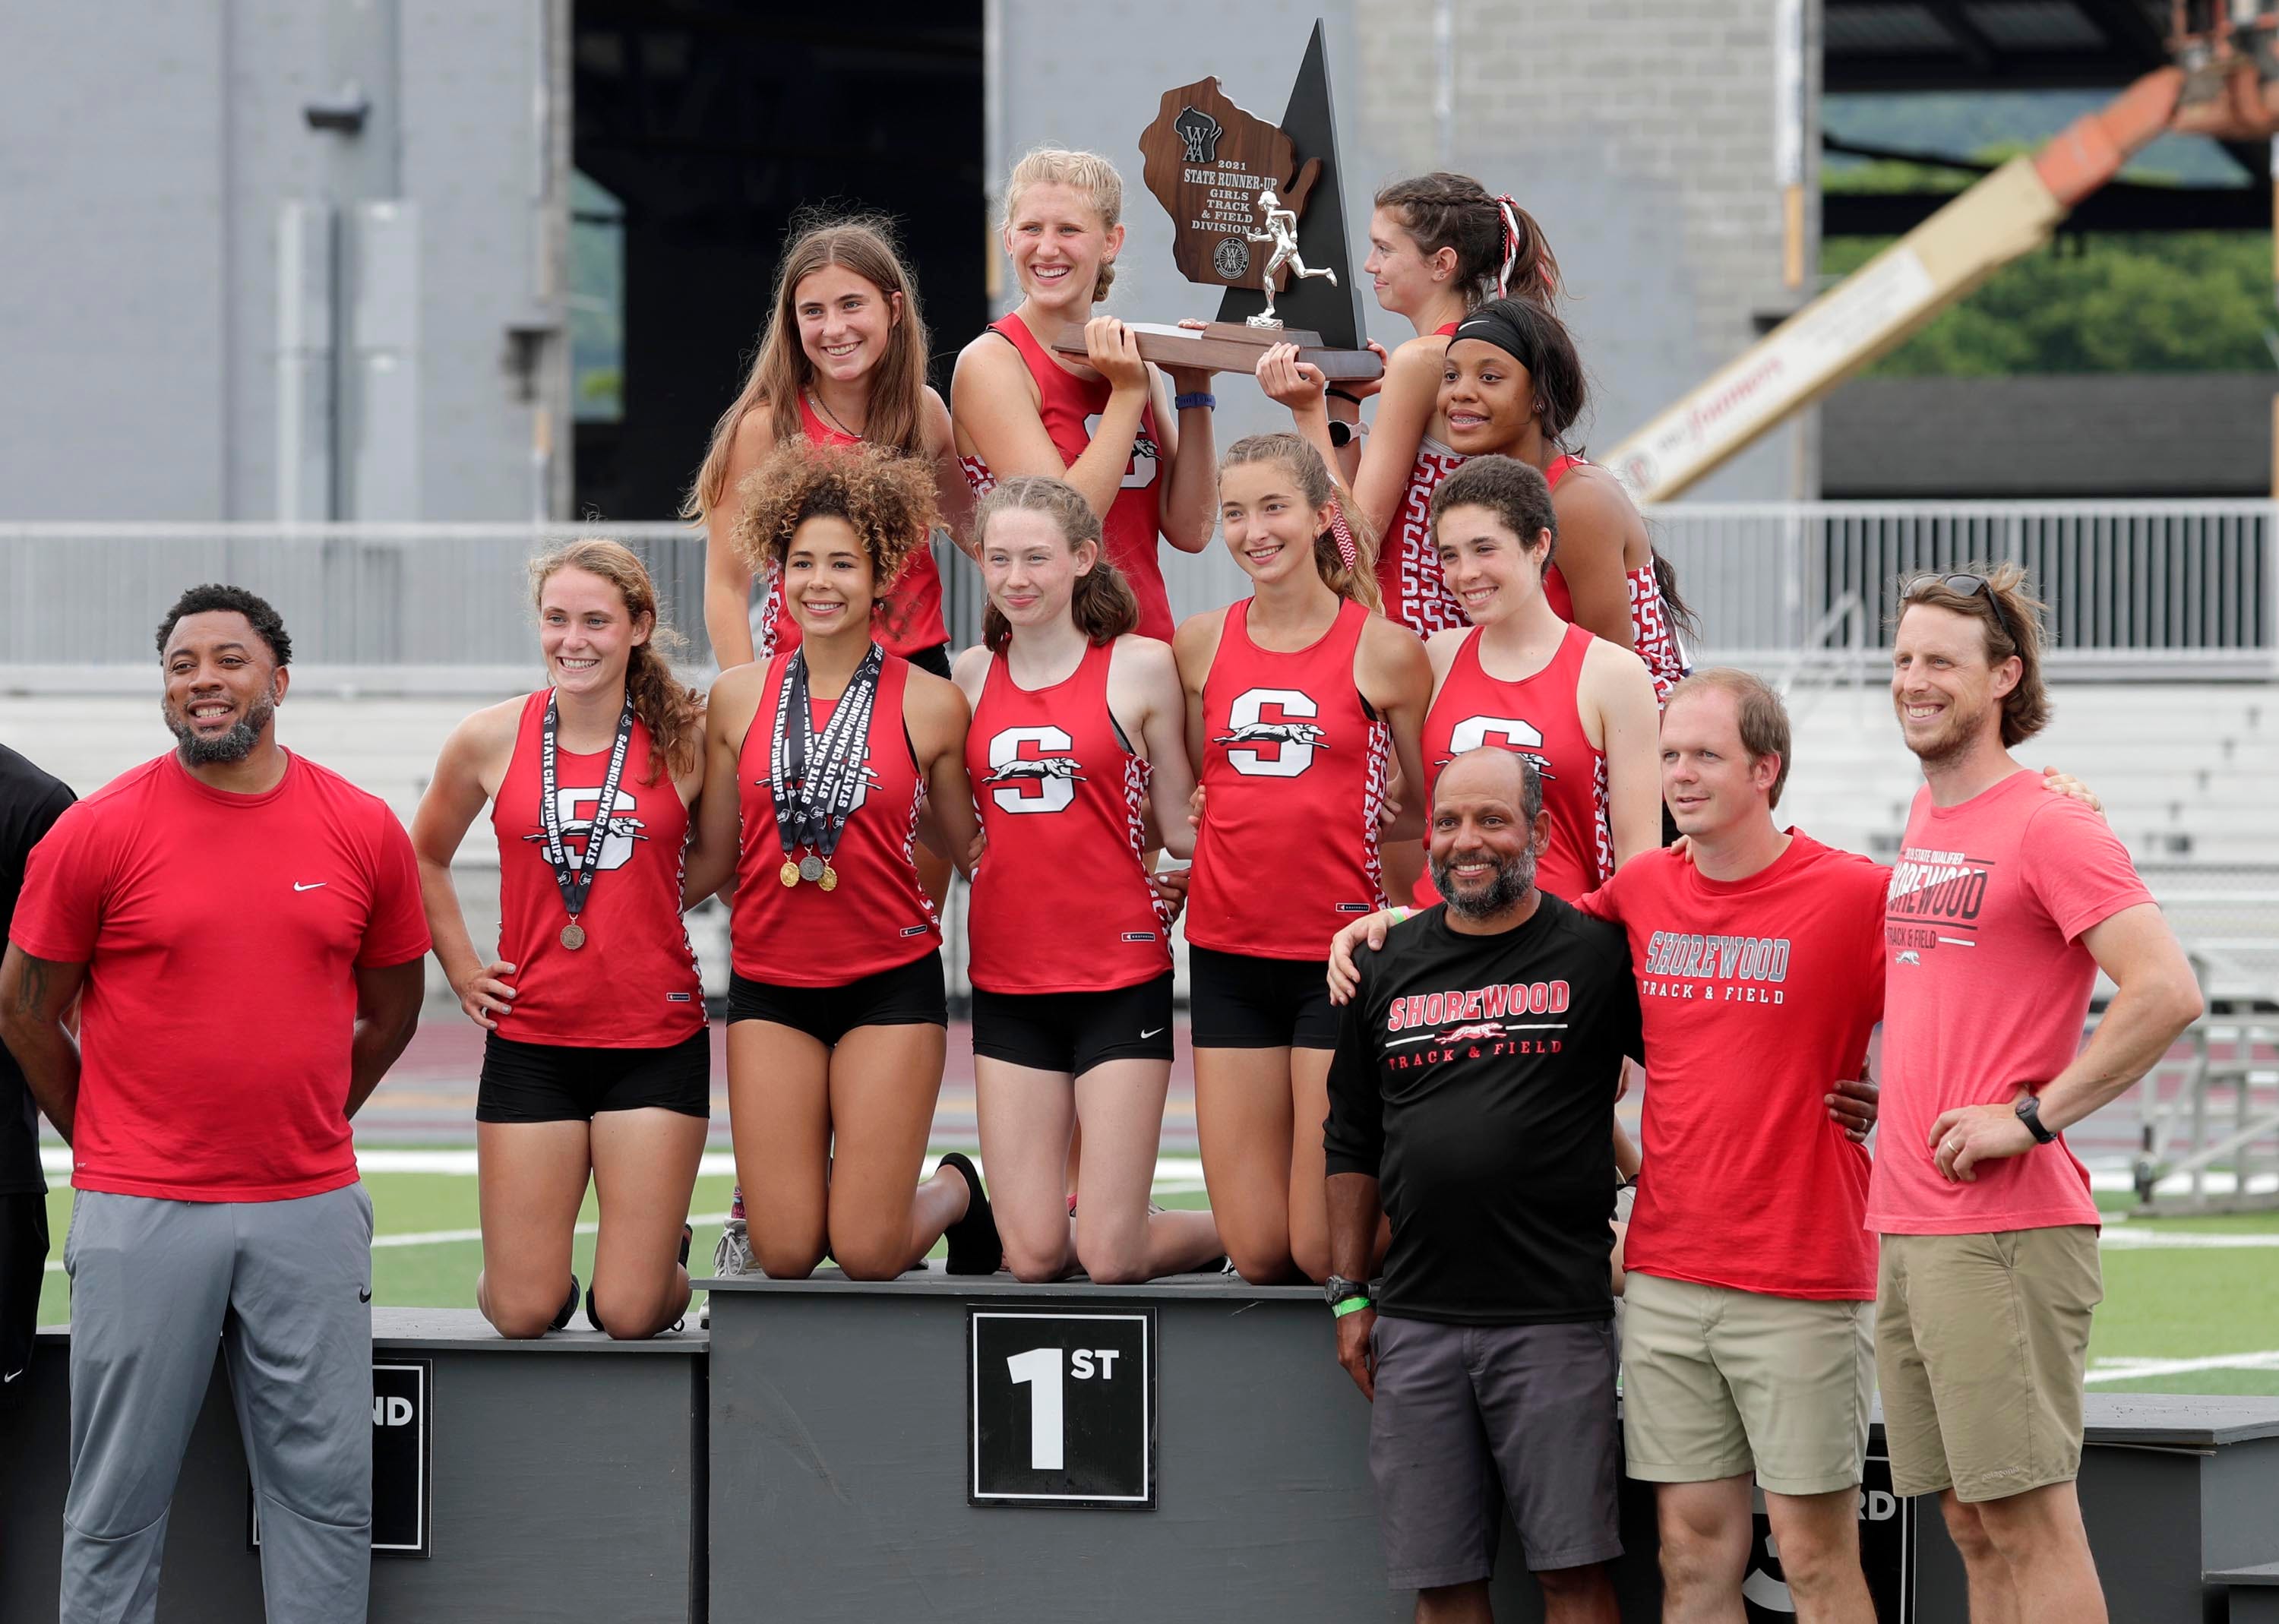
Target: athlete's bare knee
(625, 1316)
(1035, 1265)
(786, 1259)
(1259, 1265)
(871, 1257)
(1117, 1260)
(1311, 1256)
(520, 1316)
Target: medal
(573, 871)
(815, 779)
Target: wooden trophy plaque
(1238, 190)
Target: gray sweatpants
(284, 1288)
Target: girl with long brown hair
(1076, 738)
(1300, 702)
(596, 1060)
(842, 362)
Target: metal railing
(2135, 588)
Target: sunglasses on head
(1966, 586)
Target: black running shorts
(1241, 1002)
(554, 1083)
(23, 1265)
(909, 994)
(1073, 1033)
(935, 659)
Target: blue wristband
(1207, 401)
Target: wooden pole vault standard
(2011, 213)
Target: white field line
(445, 1238)
(1174, 1171)
(2139, 1369)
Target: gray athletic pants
(284, 1287)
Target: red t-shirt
(1758, 994)
(1986, 985)
(222, 934)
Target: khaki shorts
(1981, 1344)
(1718, 1382)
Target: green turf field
(2193, 1311)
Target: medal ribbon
(573, 872)
(815, 780)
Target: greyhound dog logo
(1029, 769)
(1201, 132)
(1274, 733)
(1910, 956)
(1477, 1032)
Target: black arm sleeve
(1353, 1138)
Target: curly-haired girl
(840, 753)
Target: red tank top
(1408, 566)
(633, 984)
(879, 917)
(1652, 638)
(906, 621)
(1536, 717)
(1061, 903)
(1070, 407)
(1294, 779)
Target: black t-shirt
(1475, 1079)
(30, 802)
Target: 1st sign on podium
(1061, 1408)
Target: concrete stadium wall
(139, 333)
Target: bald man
(1472, 1098)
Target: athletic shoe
(974, 1248)
(569, 1307)
(732, 1255)
(593, 1319)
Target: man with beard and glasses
(1472, 1101)
(243, 933)
(2003, 907)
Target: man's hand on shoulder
(1343, 973)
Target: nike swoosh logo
(11, 1377)
(1144, 1035)
(297, 885)
(363, 1297)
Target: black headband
(1491, 326)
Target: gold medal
(789, 873)
(573, 936)
(830, 880)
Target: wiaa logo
(1201, 132)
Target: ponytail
(1344, 552)
(1501, 252)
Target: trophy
(1255, 208)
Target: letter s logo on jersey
(1521, 738)
(1043, 783)
(1281, 745)
(1139, 472)
(575, 808)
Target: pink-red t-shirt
(222, 934)
(1986, 984)
(1758, 994)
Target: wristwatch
(1337, 1291)
(2030, 1112)
(1343, 433)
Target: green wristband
(1352, 1304)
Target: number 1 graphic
(1042, 1369)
